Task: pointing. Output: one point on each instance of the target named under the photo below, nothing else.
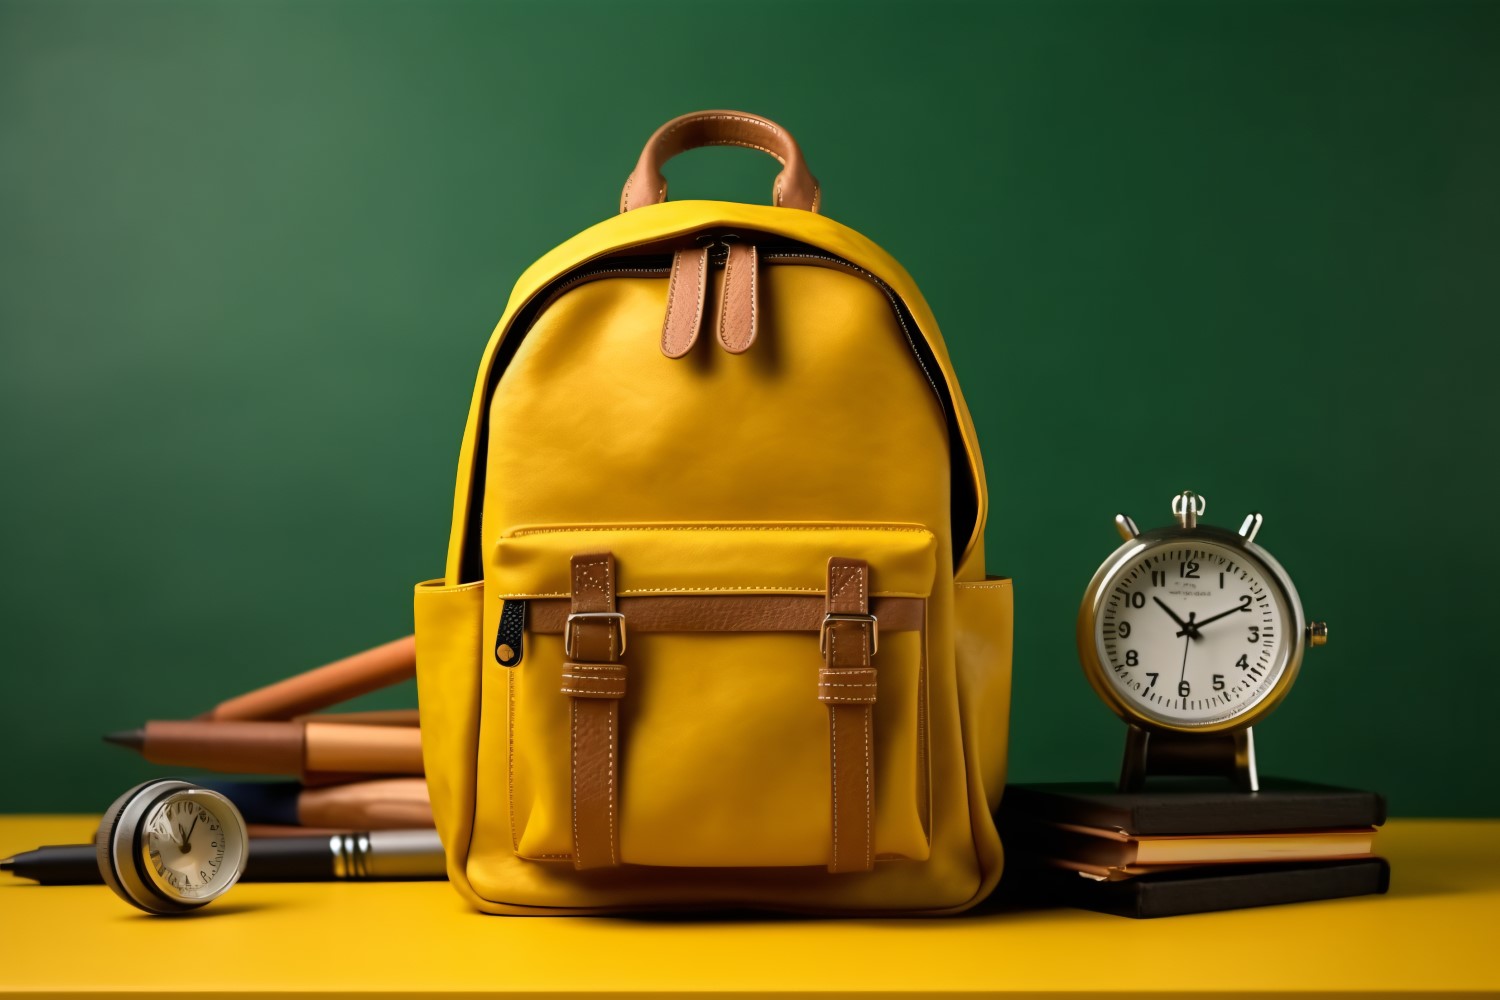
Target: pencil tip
(135, 739)
(6, 864)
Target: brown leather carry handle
(795, 187)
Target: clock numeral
(1187, 570)
(1132, 658)
(1184, 689)
(1243, 662)
(1135, 600)
(1218, 682)
(1244, 602)
(1124, 630)
(1254, 634)
(203, 877)
(1153, 681)
(1158, 578)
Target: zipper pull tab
(511, 638)
(686, 293)
(738, 307)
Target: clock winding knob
(1317, 633)
(1187, 507)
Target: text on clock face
(185, 847)
(1191, 632)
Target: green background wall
(250, 252)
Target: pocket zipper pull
(510, 639)
(687, 292)
(737, 302)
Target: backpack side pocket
(450, 644)
(983, 631)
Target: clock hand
(1187, 627)
(1214, 618)
(1186, 646)
(186, 844)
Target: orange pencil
(320, 687)
(378, 717)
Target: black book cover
(1195, 806)
(1206, 889)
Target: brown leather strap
(846, 683)
(795, 186)
(737, 304)
(687, 290)
(595, 679)
(726, 613)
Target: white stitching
(833, 739)
(747, 144)
(511, 678)
(568, 529)
(754, 278)
(436, 587)
(575, 778)
(770, 588)
(724, 303)
(756, 122)
(673, 351)
(868, 809)
(610, 801)
(666, 324)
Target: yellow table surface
(1437, 931)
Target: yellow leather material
(984, 616)
(719, 558)
(655, 223)
(449, 649)
(716, 473)
(718, 729)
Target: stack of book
(349, 771)
(1191, 846)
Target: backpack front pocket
(721, 745)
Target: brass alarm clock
(1191, 634)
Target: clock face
(1192, 633)
(191, 851)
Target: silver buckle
(829, 619)
(594, 615)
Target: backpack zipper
(773, 254)
(718, 244)
(510, 638)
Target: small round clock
(167, 846)
(1191, 633)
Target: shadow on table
(1001, 906)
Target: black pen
(377, 856)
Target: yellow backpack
(715, 628)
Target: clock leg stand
(1229, 755)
